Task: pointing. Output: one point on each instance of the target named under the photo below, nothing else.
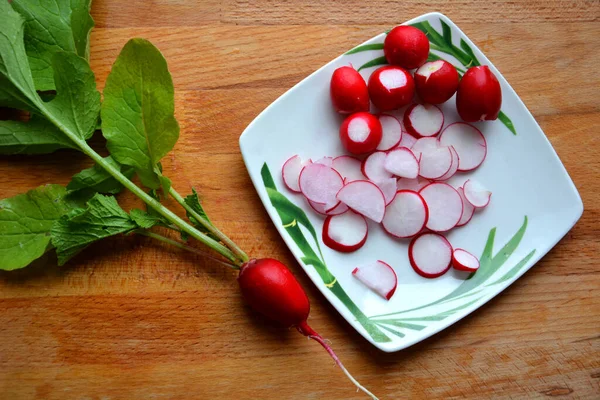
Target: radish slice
(374, 167)
(462, 260)
(322, 209)
(469, 143)
(320, 183)
(388, 187)
(430, 255)
(435, 163)
(365, 198)
(379, 277)
(346, 232)
(328, 161)
(402, 162)
(476, 193)
(423, 120)
(349, 168)
(453, 166)
(407, 140)
(412, 184)
(290, 172)
(468, 209)
(391, 132)
(444, 205)
(406, 215)
(425, 144)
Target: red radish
(407, 140)
(360, 133)
(322, 209)
(412, 184)
(462, 260)
(476, 193)
(290, 172)
(425, 144)
(328, 161)
(406, 215)
(430, 255)
(349, 167)
(453, 167)
(388, 188)
(365, 198)
(270, 288)
(406, 46)
(379, 277)
(346, 232)
(468, 142)
(423, 120)
(436, 81)
(320, 184)
(391, 87)
(402, 162)
(444, 205)
(435, 163)
(391, 132)
(373, 167)
(468, 209)
(348, 91)
(479, 96)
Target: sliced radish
(462, 260)
(453, 166)
(468, 209)
(373, 167)
(391, 132)
(430, 255)
(290, 172)
(423, 120)
(350, 168)
(328, 161)
(476, 193)
(444, 205)
(365, 198)
(406, 215)
(469, 143)
(320, 183)
(402, 162)
(322, 209)
(388, 188)
(379, 277)
(435, 163)
(407, 140)
(412, 184)
(425, 144)
(345, 232)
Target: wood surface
(132, 319)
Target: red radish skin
(391, 130)
(346, 232)
(444, 205)
(462, 260)
(348, 91)
(406, 46)
(349, 167)
(320, 184)
(479, 96)
(468, 209)
(476, 193)
(373, 167)
(290, 172)
(436, 81)
(469, 143)
(270, 288)
(430, 255)
(379, 276)
(406, 215)
(361, 133)
(423, 120)
(321, 209)
(391, 87)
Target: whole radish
(271, 289)
(391, 87)
(479, 96)
(361, 133)
(436, 81)
(348, 91)
(406, 46)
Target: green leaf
(507, 122)
(145, 220)
(373, 63)
(514, 270)
(37, 136)
(193, 201)
(25, 223)
(446, 32)
(467, 49)
(138, 118)
(51, 27)
(400, 324)
(98, 180)
(365, 47)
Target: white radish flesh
(365, 198)
(328, 161)
(423, 120)
(406, 215)
(379, 277)
(407, 140)
(322, 209)
(476, 193)
(430, 255)
(444, 205)
(412, 184)
(290, 172)
(469, 143)
(453, 167)
(388, 188)
(345, 232)
(462, 260)
(320, 184)
(373, 167)
(402, 162)
(435, 163)
(391, 132)
(468, 209)
(425, 144)
(349, 168)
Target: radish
(444, 205)
(453, 166)
(468, 209)
(423, 120)
(406, 215)
(365, 198)
(425, 144)
(406, 46)
(391, 87)
(479, 96)
(412, 184)
(290, 172)
(435, 163)
(360, 133)
(348, 91)
(391, 132)
(373, 167)
(462, 260)
(328, 161)
(476, 193)
(350, 168)
(436, 81)
(379, 277)
(320, 184)
(345, 232)
(270, 288)
(402, 162)
(430, 254)
(322, 209)
(469, 143)
(388, 187)
(407, 140)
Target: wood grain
(131, 319)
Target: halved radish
(468, 209)
(391, 87)
(469, 143)
(365, 198)
(444, 205)
(391, 132)
(430, 255)
(425, 144)
(328, 161)
(373, 167)
(476, 193)
(435, 163)
(290, 172)
(423, 120)
(407, 140)
(345, 232)
(453, 167)
(322, 209)
(462, 260)
(349, 167)
(360, 133)
(412, 184)
(406, 215)
(379, 277)
(402, 162)
(320, 184)
(388, 188)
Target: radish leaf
(37, 136)
(98, 180)
(146, 220)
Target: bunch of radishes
(397, 172)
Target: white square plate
(534, 202)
